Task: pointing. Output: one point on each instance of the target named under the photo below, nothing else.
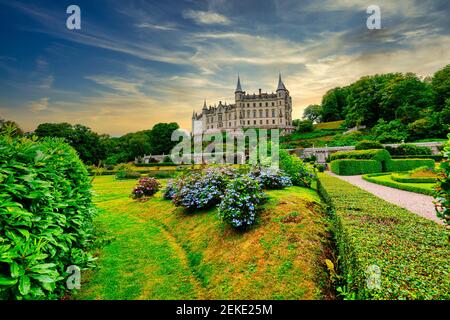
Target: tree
(305, 126)
(160, 138)
(441, 87)
(313, 113)
(333, 104)
(393, 131)
(10, 128)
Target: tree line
(412, 107)
(94, 148)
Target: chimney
(259, 91)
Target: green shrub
(408, 149)
(320, 167)
(296, 169)
(407, 164)
(367, 145)
(305, 126)
(375, 154)
(410, 250)
(46, 217)
(124, 171)
(349, 167)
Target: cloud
(206, 17)
(39, 105)
(156, 26)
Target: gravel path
(417, 203)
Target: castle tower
(238, 94)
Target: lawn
(385, 179)
(158, 251)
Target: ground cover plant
(158, 251)
(410, 251)
(46, 217)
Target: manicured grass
(329, 125)
(411, 252)
(386, 180)
(159, 251)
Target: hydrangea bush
(171, 190)
(269, 178)
(241, 202)
(145, 187)
(202, 190)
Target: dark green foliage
(410, 251)
(408, 149)
(333, 105)
(305, 126)
(160, 138)
(46, 217)
(349, 167)
(367, 144)
(441, 87)
(10, 128)
(87, 143)
(373, 154)
(407, 164)
(390, 132)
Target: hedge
(435, 157)
(349, 167)
(411, 251)
(407, 186)
(372, 154)
(367, 145)
(405, 178)
(46, 216)
(408, 149)
(407, 164)
(158, 164)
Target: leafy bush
(124, 171)
(296, 169)
(270, 178)
(146, 187)
(409, 250)
(408, 149)
(46, 217)
(305, 126)
(442, 189)
(435, 157)
(367, 144)
(394, 131)
(349, 167)
(204, 189)
(407, 164)
(241, 202)
(320, 167)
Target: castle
(262, 110)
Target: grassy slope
(386, 180)
(159, 252)
(329, 125)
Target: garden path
(417, 203)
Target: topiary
(46, 217)
(241, 202)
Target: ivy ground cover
(159, 251)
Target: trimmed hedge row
(410, 251)
(405, 178)
(349, 167)
(398, 185)
(371, 154)
(435, 157)
(157, 164)
(407, 164)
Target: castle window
(267, 121)
(260, 113)
(260, 104)
(267, 113)
(273, 104)
(273, 121)
(273, 112)
(248, 113)
(229, 124)
(248, 122)
(248, 105)
(280, 103)
(254, 121)
(254, 104)
(254, 113)
(260, 121)
(267, 104)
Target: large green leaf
(7, 281)
(24, 285)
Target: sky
(137, 63)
